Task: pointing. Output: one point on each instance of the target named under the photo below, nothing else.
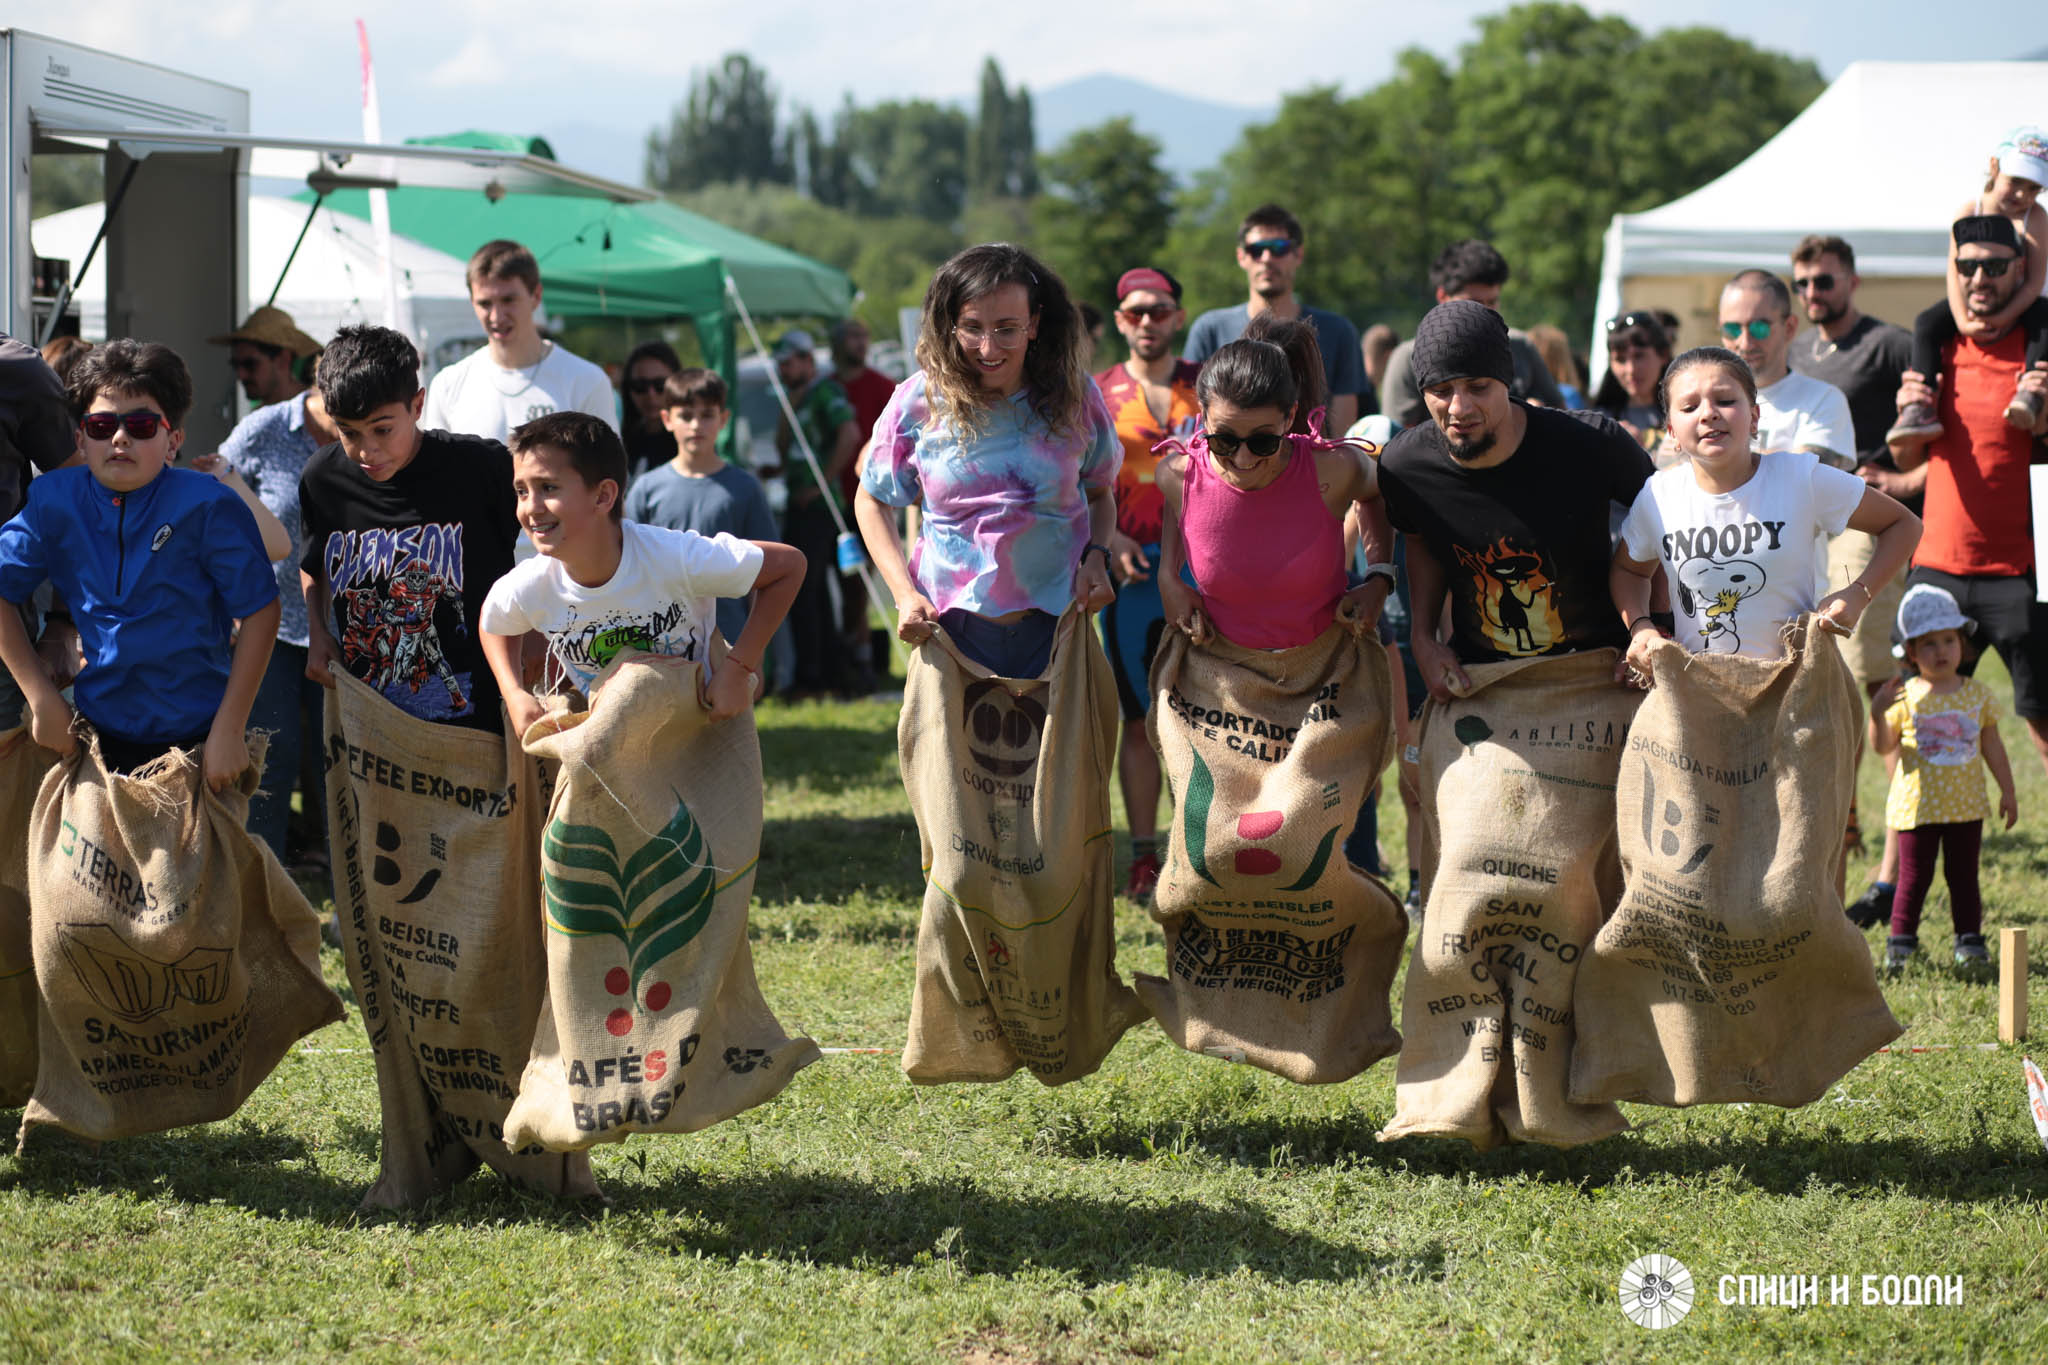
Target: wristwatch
(1091, 549)
(1373, 571)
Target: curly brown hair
(1053, 377)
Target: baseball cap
(2024, 154)
(794, 342)
(270, 326)
(1926, 609)
(1145, 277)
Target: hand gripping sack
(654, 1022)
(22, 765)
(1519, 870)
(1009, 781)
(1730, 973)
(435, 831)
(176, 960)
(1279, 951)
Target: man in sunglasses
(1468, 269)
(1270, 249)
(1979, 541)
(267, 350)
(1798, 412)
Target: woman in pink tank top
(1256, 502)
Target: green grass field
(1172, 1206)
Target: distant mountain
(1193, 133)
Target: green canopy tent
(604, 259)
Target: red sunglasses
(141, 423)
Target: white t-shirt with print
(663, 599)
(1742, 563)
(1800, 412)
(477, 398)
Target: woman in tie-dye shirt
(1004, 443)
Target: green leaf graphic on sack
(620, 899)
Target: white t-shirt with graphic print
(663, 599)
(1743, 563)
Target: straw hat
(269, 326)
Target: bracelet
(1385, 571)
(736, 659)
(1868, 595)
(1639, 621)
(1091, 548)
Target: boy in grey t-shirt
(697, 490)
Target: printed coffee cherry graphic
(1003, 729)
(384, 871)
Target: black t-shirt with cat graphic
(1525, 545)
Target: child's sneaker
(2024, 410)
(1970, 950)
(1144, 877)
(1916, 422)
(1899, 950)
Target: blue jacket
(155, 580)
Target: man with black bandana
(1505, 507)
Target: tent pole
(318, 199)
(803, 443)
(64, 295)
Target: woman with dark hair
(1638, 352)
(648, 443)
(1007, 448)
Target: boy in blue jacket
(157, 565)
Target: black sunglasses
(644, 385)
(1269, 246)
(1992, 268)
(1820, 282)
(1635, 320)
(1262, 444)
(141, 423)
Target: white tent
(336, 278)
(1882, 158)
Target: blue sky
(521, 65)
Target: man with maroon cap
(1150, 396)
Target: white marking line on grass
(1942, 1047)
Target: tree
(1106, 208)
(905, 157)
(724, 131)
(1003, 154)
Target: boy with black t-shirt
(405, 531)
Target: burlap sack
(176, 960)
(1009, 782)
(22, 765)
(1279, 951)
(654, 1020)
(1730, 972)
(1519, 870)
(435, 833)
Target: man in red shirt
(868, 390)
(1979, 541)
(1150, 396)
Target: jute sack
(654, 1022)
(435, 833)
(1278, 950)
(22, 765)
(1519, 870)
(176, 961)
(1730, 972)
(1009, 781)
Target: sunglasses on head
(1993, 267)
(1821, 282)
(644, 385)
(1758, 329)
(1157, 312)
(1627, 320)
(1269, 246)
(1262, 444)
(141, 423)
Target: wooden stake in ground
(2012, 985)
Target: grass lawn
(1170, 1206)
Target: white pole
(397, 302)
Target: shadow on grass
(835, 1220)
(824, 858)
(829, 759)
(1785, 1164)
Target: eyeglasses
(645, 385)
(1262, 444)
(1758, 329)
(1269, 246)
(1157, 312)
(1993, 267)
(1005, 338)
(141, 423)
(1821, 282)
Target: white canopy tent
(1882, 158)
(336, 279)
